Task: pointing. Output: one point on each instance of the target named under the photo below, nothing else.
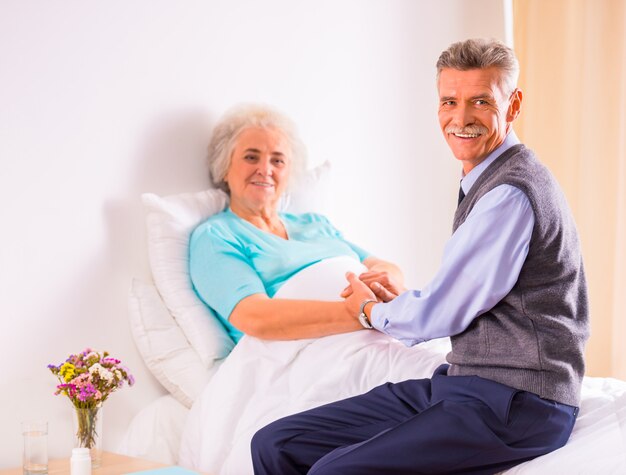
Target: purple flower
(86, 392)
(129, 377)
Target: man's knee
(268, 449)
(265, 441)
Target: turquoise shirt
(231, 259)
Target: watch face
(365, 321)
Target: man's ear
(515, 105)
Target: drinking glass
(35, 447)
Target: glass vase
(88, 431)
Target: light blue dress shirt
(481, 263)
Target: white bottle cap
(80, 452)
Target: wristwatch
(363, 318)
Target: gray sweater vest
(534, 338)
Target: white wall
(101, 101)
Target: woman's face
(259, 169)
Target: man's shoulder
(523, 169)
(521, 156)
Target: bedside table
(112, 464)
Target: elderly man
(511, 294)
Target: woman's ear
(515, 105)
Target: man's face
(475, 115)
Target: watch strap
(363, 319)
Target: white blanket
(262, 381)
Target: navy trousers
(446, 424)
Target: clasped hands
(370, 285)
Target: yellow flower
(67, 371)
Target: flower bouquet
(88, 379)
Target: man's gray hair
(243, 117)
(480, 53)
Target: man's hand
(358, 293)
(382, 284)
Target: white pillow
(170, 221)
(163, 345)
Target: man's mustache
(467, 130)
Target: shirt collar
(468, 180)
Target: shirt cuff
(377, 319)
(381, 323)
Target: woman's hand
(383, 284)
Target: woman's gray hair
(480, 53)
(243, 117)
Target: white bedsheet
(262, 381)
(154, 433)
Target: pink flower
(109, 360)
(81, 380)
(68, 388)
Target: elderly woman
(254, 155)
